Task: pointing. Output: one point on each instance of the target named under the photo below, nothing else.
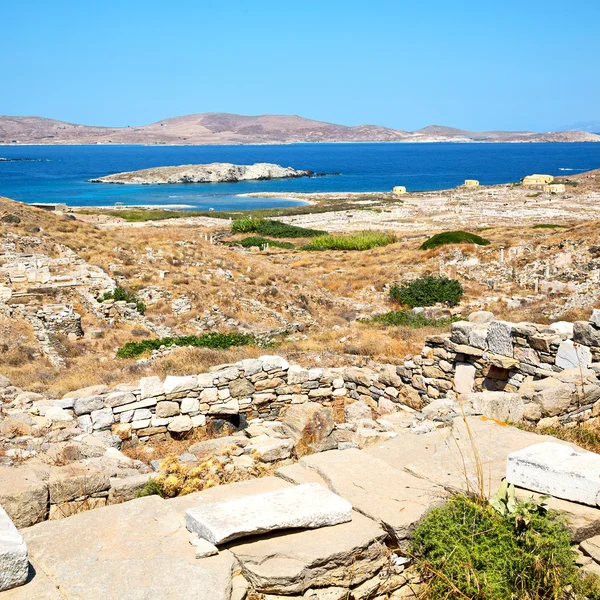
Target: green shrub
(364, 240)
(549, 226)
(534, 195)
(152, 488)
(468, 550)
(206, 340)
(453, 237)
(427, 291)
(121, 294)
(409, 318)
(261, 242)
(268, 227)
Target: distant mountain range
(223, 128)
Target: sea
(57, 174)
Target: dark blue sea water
(58, 173)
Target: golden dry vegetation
(259, 290)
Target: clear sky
(485, 64)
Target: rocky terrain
(300, 465)
(212, 173)
(223, 128)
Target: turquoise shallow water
(58, 173)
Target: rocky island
(211, 173)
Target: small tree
(427, 291)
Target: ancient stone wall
(251, 388)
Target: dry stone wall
(251, 388)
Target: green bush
(549, 226)
(453, 237)
(364, 240)
(152, 488)
(206, 340)
(121, 294)
(427, 291)
(261, 242)
(468, 550)
(409, 318)
(268, 227)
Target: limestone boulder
(293, 562)
(271, 449)
(241, 388)
(553, 396)
(502, 406)
(23, 495)
(180, 424)
(356, 411)
(310, 426)
(408, 396)
(585, 333)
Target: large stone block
(572, 355)
(499, 338)
(553, 396)
(307, 506)
(14, 565)
(310, 425)
(84, 406)
(460, 332)
(585, 333)
(175, 385)
(464, 378)
(343, 555)
(501, 406)
(557, 469)
(151, 387)
(23, 495)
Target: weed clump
(549, 226)
(409, 318)
(179, 479)
(206, 340)
(261, 242)
(467, 549)
(427, 291)
(268, 227)
(364, 240)
(453, 237)
(120, 294)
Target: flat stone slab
(303, 506)
(292, 562)
(139, 550)
(392, 497)
(557, 469)
(446, 456)
(14, 564)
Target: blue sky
(495, 64)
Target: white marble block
(558, 470)
(308, 506)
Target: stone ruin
(383, 459)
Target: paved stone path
(141, 549)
